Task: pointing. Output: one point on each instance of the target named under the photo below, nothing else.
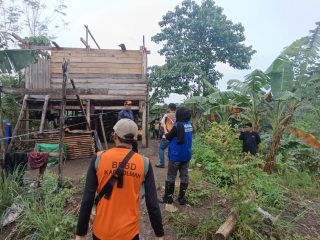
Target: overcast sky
(270, 25)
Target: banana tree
(291, 80)
(222, 103)
(254, 88)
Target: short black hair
(249, 124)
(172, 106)
(127, 141)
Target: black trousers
(174, 167)
(95, 238)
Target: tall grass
(10, 188)
(44, 215)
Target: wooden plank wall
(38, 75)
(119, 72)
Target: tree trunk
(270, 165)
(226, 228)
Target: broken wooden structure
(100, 81)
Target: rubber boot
(182, 193)
(168, 193)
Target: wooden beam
(27, 112)
(102, 97)
(87, 39)
(44, 111)
(51, 91)
(80, 91)
(103, 132)
(145, 78)
(115, 108)
(85, 43)
(88, 113)
(17, 126)
(81, 105)
(86, 26)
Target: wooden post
(87, 40)
(145, 113)
(17, 126)
(144, 125)
(62, 119)
(44, 111)
(88, 113)
(27, 122)
(81, 105)
(226, 228)
(103, 132)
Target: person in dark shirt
(250, 139)
(127, 113)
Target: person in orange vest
(119, 176)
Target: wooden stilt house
(99, 81)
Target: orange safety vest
(118, 218)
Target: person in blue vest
(179, 154)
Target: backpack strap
(116, 176)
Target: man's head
(127, 105)
(126, 131)
(247, 127)
(172, 107)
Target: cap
(126, 129)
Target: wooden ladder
(22, 114)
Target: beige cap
(125, 127)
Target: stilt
(44, 111)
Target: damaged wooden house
(99, 81)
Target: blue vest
(181, 152)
